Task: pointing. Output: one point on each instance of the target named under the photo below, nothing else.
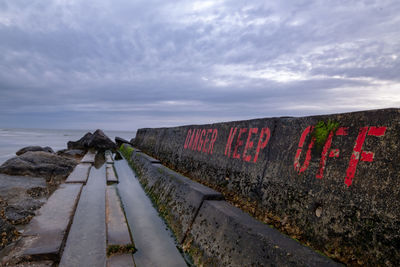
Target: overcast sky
(128, 64)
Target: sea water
(11, 140)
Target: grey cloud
(164, 63)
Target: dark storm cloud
(127, 64)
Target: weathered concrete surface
(223, 235)
(111, 177)
(79, 174)
(120, 260)
(89, 157)
(86, 242)
(51, 223)
(155, 246)
(117, 229)
(109, 159)
(147, 157)
(341, 196)
(178, 198)
(182, 201)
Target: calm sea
(11, 140)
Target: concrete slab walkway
(50, 225)
(155, 246)
(86, 243)
(86, 222)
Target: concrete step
(120, 260)
(223, 235)
(117, 229)
(79, 174)
(51, 223)
(109, 158)
(86, 242)
(155, 246)
(178, 198)
(89, 157)
(147, 157)
(111, 177)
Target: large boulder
(34, 148)
(98, 140)
(39, 164)
(72, 153)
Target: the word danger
(201, 140)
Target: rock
(18, 215)
(73, 153)
(98, 140)
(20, 196)
(121, 141)
(8, 233)
(34, 148)
(82, 143)
(132, 141)
(39, 164)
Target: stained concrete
(178, 198)
(147, 157)
(109, 158)
(223, 235)
(79, 174)
(121, 260)
(337, 200)
(86, 243)
(155, 246)
(111, 177)
(51, 223)
(89, 157)
(117, 229)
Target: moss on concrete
(321, 132)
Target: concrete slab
(79, 174)
(223, 235)
(178, 198)
(109, 158)
(111, 177)
(154, 243)
(51, 223)
(89, 157)
(121, 260)
(117, 228)
(147, 157)
(86, 242)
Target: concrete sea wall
(330, 181)
(209, 229)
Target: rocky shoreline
(28, 179)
